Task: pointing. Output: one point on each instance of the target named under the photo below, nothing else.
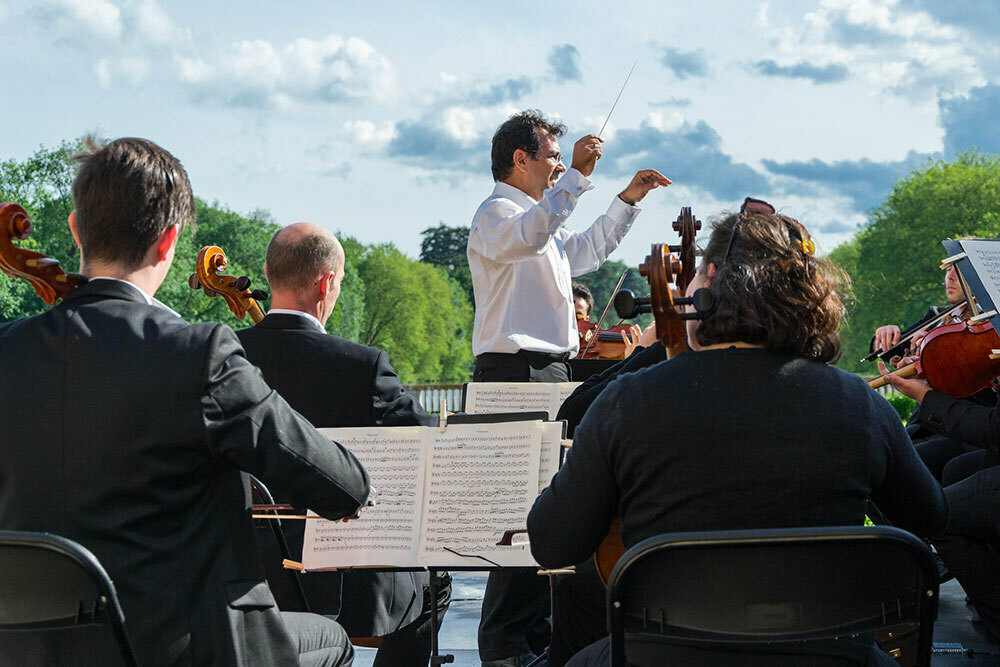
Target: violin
(955, 359)
(669, 269)
(51, 283)
(609, 343)
(239, 297)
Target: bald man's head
(299, 254)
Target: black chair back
(49, 583)
(746, 587)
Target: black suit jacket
(126, 429)
(335, 382)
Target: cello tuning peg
(193, 281)
(243, 283)
(258, 295)
(703, 301)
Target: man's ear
(166, 241)
(325, 281)
(72, 228)
(521, 158)
(710, 272)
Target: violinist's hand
(586, 153)
(643, 181)
(886, 337)
(631, 339)
(649, 335)
(915, 389)
(899, 362)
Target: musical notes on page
(389, 532)
(984, 254)
(439, 493)
(493, 397)
(482, 479)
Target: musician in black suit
(128, 430)
(335, 382)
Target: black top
(727, 439)
(330, 380)
(125, 428)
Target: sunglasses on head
(750, 206)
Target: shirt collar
(514, 194)
(287, 311)
(150, 300)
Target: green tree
(895, 259)
(445, 246)
(413, 312)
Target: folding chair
(275, 572)
(718, 589)
(49, 583)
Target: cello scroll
(236, 291)
(51, 283)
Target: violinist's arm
(961, 419)
(572, 516)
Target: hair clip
(808, 247)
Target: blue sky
(375, 117)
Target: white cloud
(256, 73)
(368, 134)
(98, 17)
(149, 22)
(897, 49)
(130, 69)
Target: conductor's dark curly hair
(770, 291)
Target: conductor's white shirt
(522, 261)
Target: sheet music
(985, 258)
(563, 390)
(549, 453)
(492, 397)
(389, 532)
(482, 480)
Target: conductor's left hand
(643, 181)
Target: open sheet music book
(490, 397)
(439, 495)
(978, 262)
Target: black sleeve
(574, 513)
(391, 406)
(575, 406)
(961, 419)
(250, 426)
(908, 494)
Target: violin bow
(605, 313)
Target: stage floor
(952, 632)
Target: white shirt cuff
(622, 213)
(574, 182)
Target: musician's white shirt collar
(150, 300)
(288, 311)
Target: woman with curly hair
(750, 429)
